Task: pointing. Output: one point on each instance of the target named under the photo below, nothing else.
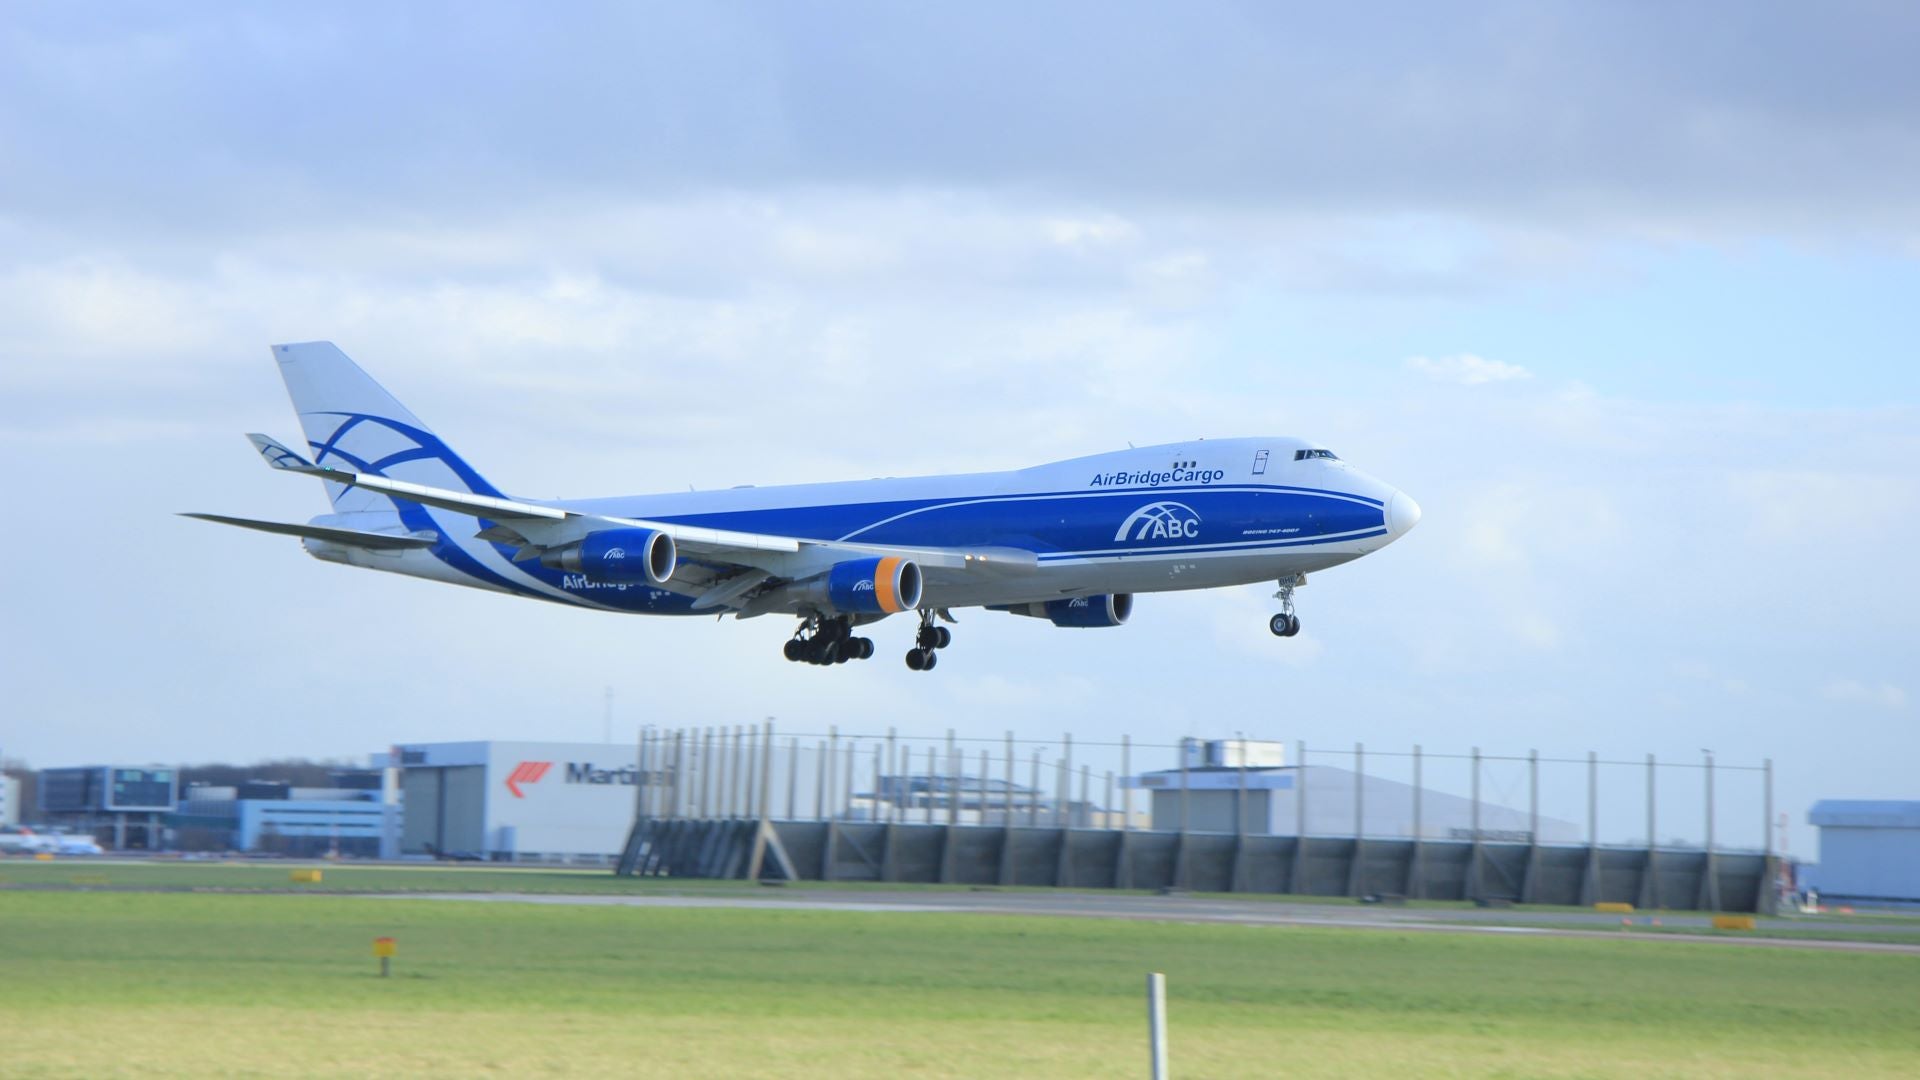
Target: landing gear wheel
(942, 637)
(866, 647)
(932, 659)
(916, 659)
(1286, 624)
(795, 649)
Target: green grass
(103, 983)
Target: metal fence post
(1066, 781)
(1708, 755)
(1590, 883)
(846, 781)
(955, 767)
(766, 772)
(706, 768)
(1009, 792)
(754, 784)
(793, 775)
(893, 801)
(1533, 797)
(1417, 886)
(1769, 898)
(1185, 750)
(674, 792)
(1126, 789)
(831, 765)
(640, 788)
(729, 770)
(1359, 796)
(1298, 884)
(1033, 804)
(822, 777)
(1475, 885)
(985, 771)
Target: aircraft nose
(1402, 514)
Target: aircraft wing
(351, 537)
(535, 527)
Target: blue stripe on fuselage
(1059, 521)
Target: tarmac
(1276, 913)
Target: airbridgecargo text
(1149, 478)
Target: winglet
(279, 456)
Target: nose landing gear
(922, 657)
(1286, 624)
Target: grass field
(100, 983)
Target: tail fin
(352, 422)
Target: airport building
(1869, 851)
(121, 805)
(525, 801)
(358, 817)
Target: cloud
(1852, 692)
(1467, 369)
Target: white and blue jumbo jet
(1070, 542)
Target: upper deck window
(1302, 455)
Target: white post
(1157, 1022)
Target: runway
(1276, 913)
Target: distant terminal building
(357, 817)
(1869, 851)
(525, 801)
(121, 805)
(1230, 785)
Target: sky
(1624, 295)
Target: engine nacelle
(873, 586)
(1106, 609)
(618, 557)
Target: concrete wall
(1215, 862)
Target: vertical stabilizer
(351, 422)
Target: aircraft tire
(795, 649)
(942, 637)
(915, 660)
(1278, 624)
(1293, 625)
(932, 659)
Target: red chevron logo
(527, 772)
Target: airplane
(1070, 542)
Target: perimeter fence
(1239, 785)
(1232, 815)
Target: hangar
(525, 801)
(1869, 850)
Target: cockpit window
(1303, 455)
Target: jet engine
(857, 587)
(618, 557)
(1106, 609)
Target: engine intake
(1106, 609)
(618, 557)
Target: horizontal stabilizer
(277, 455)
(350, 537)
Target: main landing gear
(1286, 624)
(922, 656)
(827, 641)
